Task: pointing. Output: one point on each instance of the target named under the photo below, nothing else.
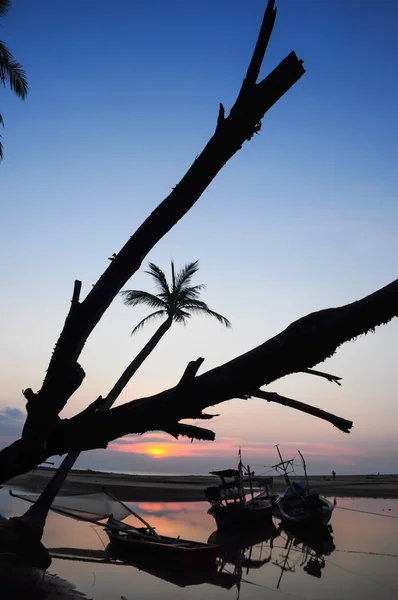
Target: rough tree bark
(302, 345)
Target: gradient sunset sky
(122, 97)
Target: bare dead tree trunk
(301, 346)
(64, 374)
(37, 514)
(305, 343)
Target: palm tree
(11, 71)
(176, 301)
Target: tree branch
(229, 136)
(338, 422)
(300, 346)
(303, 344)
(260, 48)
(332, 378)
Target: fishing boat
(297, 503)
(229, 506)
(94, 508)
(175, 550)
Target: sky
(122, 97)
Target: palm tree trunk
(135, 364)
(36, 515)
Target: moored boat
(297, 503)
(94, 508)
(229, 506)
(142, 539)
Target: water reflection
(306, 548)
(359, 558)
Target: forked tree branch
(264, 36)
(300, 346)
(244, 120)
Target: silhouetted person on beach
(334, 475)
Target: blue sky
(122, 98)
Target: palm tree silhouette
(11, 71)
(176, 301)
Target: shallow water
(363, 564)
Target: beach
(190, 488)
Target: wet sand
(186, 488)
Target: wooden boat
(96, 507)
(297, 503)
(229, 506)
(143, 539)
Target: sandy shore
(186, 488)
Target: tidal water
(359, 559)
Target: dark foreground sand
(185, 488)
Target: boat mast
(283, 464)
(305, 470)
(130, 510)
(250, 482)
(240, 480)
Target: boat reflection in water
(239, 554)
(305, 547)
(158, 567)
(244, 551)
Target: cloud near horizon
(11, 423)
(162, 446)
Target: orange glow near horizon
(157, 451)
(160, 445)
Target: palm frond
(189, 293)
(184, 275)
(12, 72)
(136, 297)
(159, 278)
(173, 278)
(1, 121)
(148, 319)
(180, 303)
(4, 7)
(199, 307)
(180, 316)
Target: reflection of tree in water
(21, 583)
(23, 564)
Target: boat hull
(311, 510)
(235, 516)
(182, 552)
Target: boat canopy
(226, 473)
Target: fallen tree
(301, 346)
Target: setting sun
(157, 451)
